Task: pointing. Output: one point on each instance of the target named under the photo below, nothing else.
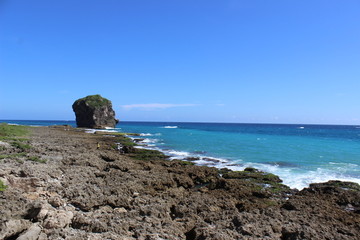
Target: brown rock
(58, 219)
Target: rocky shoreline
(83, 187)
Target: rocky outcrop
(85, 192)
(94, 111)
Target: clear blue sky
(281, 61)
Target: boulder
(32, 233)
(13, 228)
(94, 111)
(58, 219)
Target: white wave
(301, 127)
(149, 140)
(294, 177)
(141, 147)
(213, 159)
(108, 131)
(203, 163)
(178, 153)
(303, 180)
(349, 165)
(90, 131)
(145, 134)
(102, 130)
(170, 127)
(214, 162)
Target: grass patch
(12, 156)
(15, 136)
(19, 139)
(2, 186)
(21, 146)
(37, 159)
(10, 131)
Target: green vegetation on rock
(125, 141)
(187, 163)
(12, 156)
(94, 101)
(145, 154)
(337, 184)
(267, 181)
(10, 132)
(16, 146)
(21, 146)
(2, 186)
(260, 176)
(36, 159)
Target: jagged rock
(252, 173)
(94, 111)
(58, 219)
(13, 228)
(31, 234)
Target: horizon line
(264, 123)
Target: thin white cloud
(154, 106)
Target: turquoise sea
(299, 154)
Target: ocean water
(299, 154)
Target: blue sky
(209, 61)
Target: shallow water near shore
(299, 154)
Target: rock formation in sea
(94, 111)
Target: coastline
(87, 189)
(320, 153)
(299, 155)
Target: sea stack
(94, 111)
